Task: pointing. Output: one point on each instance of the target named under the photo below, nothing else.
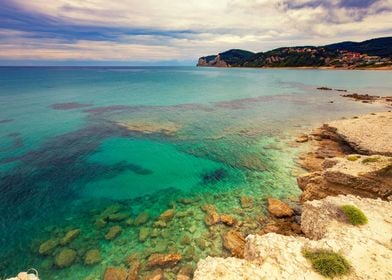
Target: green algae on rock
(142, 218)
(144, 232)
(113, 232)
(48, 246)
(69, 236)
(117, 217)
(92, 256)
(168, 215)
(65, 258)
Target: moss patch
(352, 157)
(354, 215)
(327, 263)
(370, 160)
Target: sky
(176, 32)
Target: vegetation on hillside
(371, 53)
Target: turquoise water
(75, 141)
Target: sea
(84, 150)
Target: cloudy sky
(177, 32)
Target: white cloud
(218, 25)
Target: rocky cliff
(214, 61)
(271, 256)
(366, 176)
(367, 173)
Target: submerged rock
(163, 260)
(65, 258)
(279, 209)
(185, 240)
(211, 218)
(100, 223)
(117, 217)
(302, 138)
(115, 273)
(142, 218)
(215, 176)
(112, 209)
(157, 274)
(92, 256)
(167, 216)
(185, 273)
(129, 222)
(113, 232)
(227, 220)
(132, 261)
(246, 202)
(48, 246)
(69, 236)
(143, 234)
(234, 242)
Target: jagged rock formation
(366, 176)
(335, 173)
(368, 248)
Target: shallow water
(75, 141)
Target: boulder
(70, 236)
(117, 217)
(234, 242)
(92, 256)
(115, 273)
(302, 138)
(142, 218)
(163, 260)
(157, 274)
(143, 234)
(211, 218)
(185, 273)
(246, 202)
(167, 215)
(65, 258)
(134, 270)
(113, 232)
(100, 223)
(227, 220)
(279, 209)
(48, 246)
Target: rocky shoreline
(350, 164)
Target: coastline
(345, 167)
(181, 214)
(384, 68)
